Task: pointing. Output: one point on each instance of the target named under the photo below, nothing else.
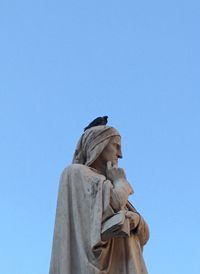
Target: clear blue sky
(63, 63)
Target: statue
(97, 230)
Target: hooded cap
(92, 143)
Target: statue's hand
(134, 219)
(114, 173)
(121, 187)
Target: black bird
(97, 122)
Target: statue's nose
(120, 154)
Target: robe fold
(85, 200)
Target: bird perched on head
(99, 121)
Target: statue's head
(102, 142)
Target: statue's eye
(118, 146)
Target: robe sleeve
(115, 197)
(142, 231)
(119, 194)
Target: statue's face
(112, 151)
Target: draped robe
(85, 200)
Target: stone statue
(97, 230)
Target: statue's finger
(109, 165)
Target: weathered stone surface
(97, 230)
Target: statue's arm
(115, 197)
(119, 201)
(119, 194)
(121, 188)
(142, 231)
(138, 224)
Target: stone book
(116, 226)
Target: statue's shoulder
(76, 168)
(81, 170)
